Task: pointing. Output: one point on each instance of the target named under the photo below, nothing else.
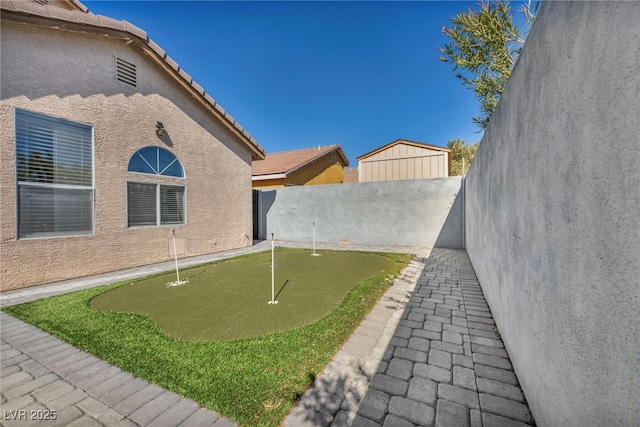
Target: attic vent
(42, 1)
(126, 72)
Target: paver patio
(427, 354)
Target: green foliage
(484, 45)
(253, 381)
(461, 156)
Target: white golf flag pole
(314, 240)
(273, 298)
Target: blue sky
(302, 74)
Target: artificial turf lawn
(228, 300)
(253, 381)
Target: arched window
(155, 204)
(156, 161)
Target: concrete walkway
(427, 354)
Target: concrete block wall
(425, 212)
(553, 215)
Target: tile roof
(287, 162)
(403, 141)
(351, 175)
(84, 21)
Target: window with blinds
(54, 172)
(154, 204)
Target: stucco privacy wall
(553, 215)
(426, 212)
(72, 76)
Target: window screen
(54, 166)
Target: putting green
(229, 300)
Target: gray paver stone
(484, 333)
(465, 361)
(498, 388)
(14, 380)
(432, 372)
(450, 414)
(400, 368)
(430, 335)
(5, 363)
(86, 372)
(493, 351)
(70, 398)
(464, 377)
(100, 377)
(30, 386)
(390, 385)
(495, 361)
(374, 405)
(459, 395)
(440, 358)
(491, 420)
(65, 416)
(19, 403)
(12, 352)
(9, 370)
(394, 421)
(146, 413)
(93, 407)
(459, 321)
(482, 326)
(74, 366)
(85, 421)
(432, 326)
(420, 344)
(223, 422)
(447, 346)
(453, 328)
(505, 407)
(416, 412)
(360, 421)
(110, 384)
(118, 394)
(475, 417)
(138, 399)
(484, 371)
(52, 391)
(423, 390)
(200, 418)
(176, 414)
(411, 354)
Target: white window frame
(19, 184)
(158, 185)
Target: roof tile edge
(100, 21)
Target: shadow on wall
(450, 235)
(265, 200)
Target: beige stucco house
(404, 159)
(106, 147)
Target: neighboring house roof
(351, 175)
(403, 141)
(85, 22)
(280, 165)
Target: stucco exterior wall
(553, 215)
(72, 76)
(425, 212)
(327, 170)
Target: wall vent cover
(42, 1)
(126, 72)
